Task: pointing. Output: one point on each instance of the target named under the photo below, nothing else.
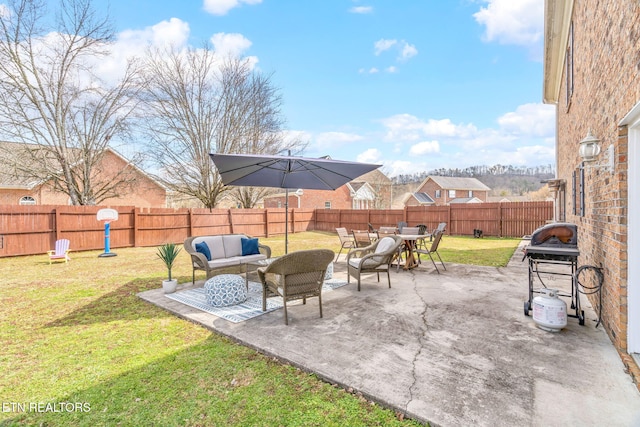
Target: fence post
(56, 223)
(230, 221)
(500, 221)
(135, 227)
(190, 222)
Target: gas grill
(554, 251)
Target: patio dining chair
(374, 258)
(61, 251)
(346, 240)
(297, 275)
(391, 231)
(362, 238)
(433, 249)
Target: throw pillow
(249, 246)
(203, 248)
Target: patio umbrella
(255, 170)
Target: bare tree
(198, 103)
(55, 105)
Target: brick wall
(313, 199)
(144, 193)
(430, 188)
(606, 87)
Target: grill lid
(562, 234)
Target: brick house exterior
(369, 191)
(147, 192)
(591, 75)
(341, 198)
(443, 190)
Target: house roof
(15, 181)
(375, 176)
(423, 198)
(356, 185)
(557, 20)
(8, 179)
(465, 200)
(456, 183)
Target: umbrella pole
(286, 221)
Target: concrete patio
(451, 349)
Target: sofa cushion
(224, 262)
(214, 243)
(203, 248)
(235, 260)
(249, 246)
(233, 244)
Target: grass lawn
(76, 338)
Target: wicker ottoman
(225, 289)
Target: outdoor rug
(251, 308)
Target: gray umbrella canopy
(287, 171)
(255, 170)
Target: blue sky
(413, 85)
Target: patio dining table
(411, 241)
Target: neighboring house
(591, 58)
(444, 190)
(369, 191)
(463, 200)
(418, 199)
(24, 191)
(507, 199)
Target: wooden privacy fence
(510, 219)
(29, 230)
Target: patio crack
(421, 340)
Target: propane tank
(549, 311)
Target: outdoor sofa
(227, 253)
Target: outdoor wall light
(589, 150)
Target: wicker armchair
(298, 275)
(373, 258)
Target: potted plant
(168, 254)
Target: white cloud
(383, 45)
(408, 51)
(425, 147)
(391, 69)
(4, 11)
(400, 167)
(222, 7)
(372, 155)
(372, 70)
(406, 127)
(133, 43)
(230, 44)
(361, 9)
(512, 22)
(536, 120)
(336, 139)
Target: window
(452, 194)
(569, 66)
(27, 200)
(279, 204)
(470, 193)
(438, 194)
(327, 205)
